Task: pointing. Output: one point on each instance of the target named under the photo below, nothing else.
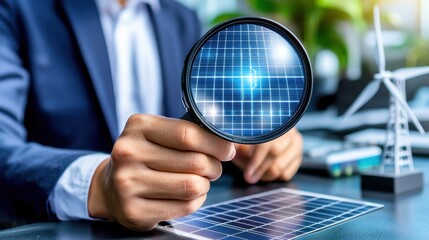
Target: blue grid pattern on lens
(278, 214)
(247, 80)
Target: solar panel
(278, 214)
(247, 80)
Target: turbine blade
(379, 41)
(367, 93)
(399, 97)
(408, 73)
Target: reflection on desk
(403, 217)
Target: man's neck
(122, 2)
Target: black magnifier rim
(289, 37)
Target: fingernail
(231, 153)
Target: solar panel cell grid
(247, 80)
(277, 214)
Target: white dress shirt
(134, 61)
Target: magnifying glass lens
(249, 82)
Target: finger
(283, 152)
(279, 145)
(281, 163)
(183, 135)
(180, 186)
(155, 211)
(266, 164)
(164, 210)
(294, 166)
(242, 156)
(244, 151)
(169, 160)
(291, 170)
(259, 155)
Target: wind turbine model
(397, 156)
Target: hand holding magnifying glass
(247, 81)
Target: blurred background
(339, 39)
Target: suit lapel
(85, 22)
(167, 37)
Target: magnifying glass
(247, 80)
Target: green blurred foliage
(418, 54)
(314, 21)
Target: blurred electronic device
(370, 118)
(419, 143)
(336, 158)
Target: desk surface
(403, 217)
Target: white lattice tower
(397, 150)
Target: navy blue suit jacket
(56, 94)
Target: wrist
(97, 206)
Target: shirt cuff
(69, 199)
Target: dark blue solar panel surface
(279, 214)
(247, 80)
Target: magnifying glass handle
(187, 116)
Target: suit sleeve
(28, 171)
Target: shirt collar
(113, 5)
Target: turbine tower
(397, 161)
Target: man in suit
(73, 73)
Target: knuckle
(122, 181)
(190, 207)
(134, 119)
(192, 187)
(277, 149)
(121, 151)
(274, 171)
(147, 122)
(143, 121)
(186, 136)
(197, 163)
